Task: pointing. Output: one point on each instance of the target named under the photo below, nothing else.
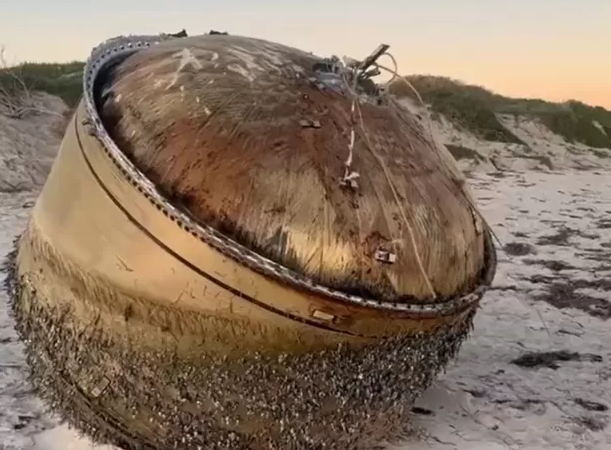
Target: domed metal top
(255, 139)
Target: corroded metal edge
(114, 50)
(93, 232)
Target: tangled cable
(353, 75)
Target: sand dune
(535, 373)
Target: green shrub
(62, 80)
(467, 107)
(576, 123)
(475, 109)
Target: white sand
(28, 147)
(541, 143)
(484, 401)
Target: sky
(550, 49)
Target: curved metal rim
(123, 46)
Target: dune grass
(466, 106)
(63, 80)
(469, 107)
(475, 109)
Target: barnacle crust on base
(340, 398)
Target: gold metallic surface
(217, 124)
(208, 285)
(126, 257)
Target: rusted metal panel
(195, 275)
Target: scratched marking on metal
(118, 48)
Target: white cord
(350, 175)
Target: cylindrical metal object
(163, 308)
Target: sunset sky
(553, 49)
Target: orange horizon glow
(555, 50)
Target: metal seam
(192, 266)
(124, 46)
